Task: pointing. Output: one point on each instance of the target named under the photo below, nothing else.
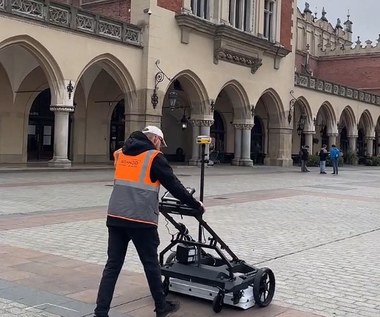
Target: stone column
(205, 130)
(237, 145)
(246, 145)
(61, 135)
(352, 143)
(195, 146)
(309, 140)
(332, 138)
(369, 141)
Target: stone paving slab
(317, 232)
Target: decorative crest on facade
(335, 89)
(233, 57)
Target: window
(241, 14)
(269, 20)
(200, 8)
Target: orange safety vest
(135, 196)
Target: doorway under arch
(40, 145)
(344, 144)
(361, 144)
(117, 128)
(257, 141)
(217, 133)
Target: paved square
(320, 234)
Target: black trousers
(146, 241)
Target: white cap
(157, 131)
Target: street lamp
(301, 127)
(184, 121)
(301, 124)
(172, 99)
(158, 77)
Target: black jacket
(323, 155)
(304, 154)
(161, 171)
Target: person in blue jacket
(334, 156)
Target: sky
(363, 13)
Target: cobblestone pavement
(319, 233)
(10, 309)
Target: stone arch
(45, 59)
(237, 93)
(367, 121)
(347, 117)
(116, 69)
(377, 127)
(327, 110)
(195, 91)
(273, 105)
(305, 108)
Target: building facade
(76, 78)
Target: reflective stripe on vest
(135, 196)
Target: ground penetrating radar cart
(219, 276)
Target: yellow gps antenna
(203, 140)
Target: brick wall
(172, 5)
(286, 23)
(117, 9)
(358, 72)
(300, 62)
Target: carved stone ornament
(237, 58)
(206, 123)
(195, 123)
(244, 126)
(62, 108)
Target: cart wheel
(171, 258)
(165, 286)
(263, 287)
(217, 303)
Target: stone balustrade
(70, 17)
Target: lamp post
(301, 127)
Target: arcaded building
(76, 78)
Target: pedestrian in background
(304, 158)
(322, 159)
(334, 157)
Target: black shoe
(332, 173)
(170, 307)
(323, 173)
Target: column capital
(195, 123)
(354, 136)
(332, 134)
(369, 138)
(206, 123)
(243, 126)
(62, 108)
